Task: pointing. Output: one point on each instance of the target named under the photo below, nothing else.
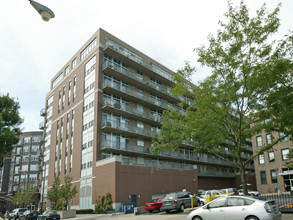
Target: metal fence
(284, 202)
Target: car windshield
(155, 200)
(51, 212)
(22, 210)
(170, 197)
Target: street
(148, 216)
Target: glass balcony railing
(132, 110)
(146, 150)
(215, 173)
(134, 57)
(135, 76)
(134, 93)
(124, 126)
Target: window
(73, 63)
(220, 202)
(259, 141)
(281, 135)
(271, 155)
(261, 159)
(26, 149)
(285, 153)
(27, 140)
(66, 70)
(269, 138)
(266, 121)
(263, 177)
(274, 176)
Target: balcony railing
(132, 92)
(43, 112)
(122, 126)
(131, 110)
(167, 154)
(215, 173)
(134, 57)
(41, 126)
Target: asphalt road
(149, 216)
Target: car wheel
(201, 203)
(150, 211)
(252, 218)
(168, 211)
(182, 208)
(197, 218)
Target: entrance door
(133, 200)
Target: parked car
(16, 213)
(202, 200)
(237, 208)
(250, 192)
(155, 204)
(178, 201)
(212, 193)
(231, 191)
(49, 215)
(29, 215)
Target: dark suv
(16, 213)
(178, 201)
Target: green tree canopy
(224, 106)
(9, 125)
(66, 192)
(24, 196)
(54, 194)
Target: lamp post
(45, 12)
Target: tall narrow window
(269, 138)
(259, 141)
(274, 176)
(261, 159)
(271, 156)
(263, 177)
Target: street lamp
(45, 12)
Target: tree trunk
(243, 180)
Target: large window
(271, 156)
(274, 176)
(263, 177)
(261, 159)
(259, 141)
(285, 153)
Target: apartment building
(271, 173)
(22, 165)
(101, 111)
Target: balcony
(131, 112)
(41, 126)
(121, 53)
(215, 173)
(43, 112)
(122, 148)
(132, 94)
(124, 129)
(127, 75)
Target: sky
(33, 51)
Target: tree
(54, 194)
(226, 104)
(24, 196)
(104, 204)
(66, 192)
(9, 125)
